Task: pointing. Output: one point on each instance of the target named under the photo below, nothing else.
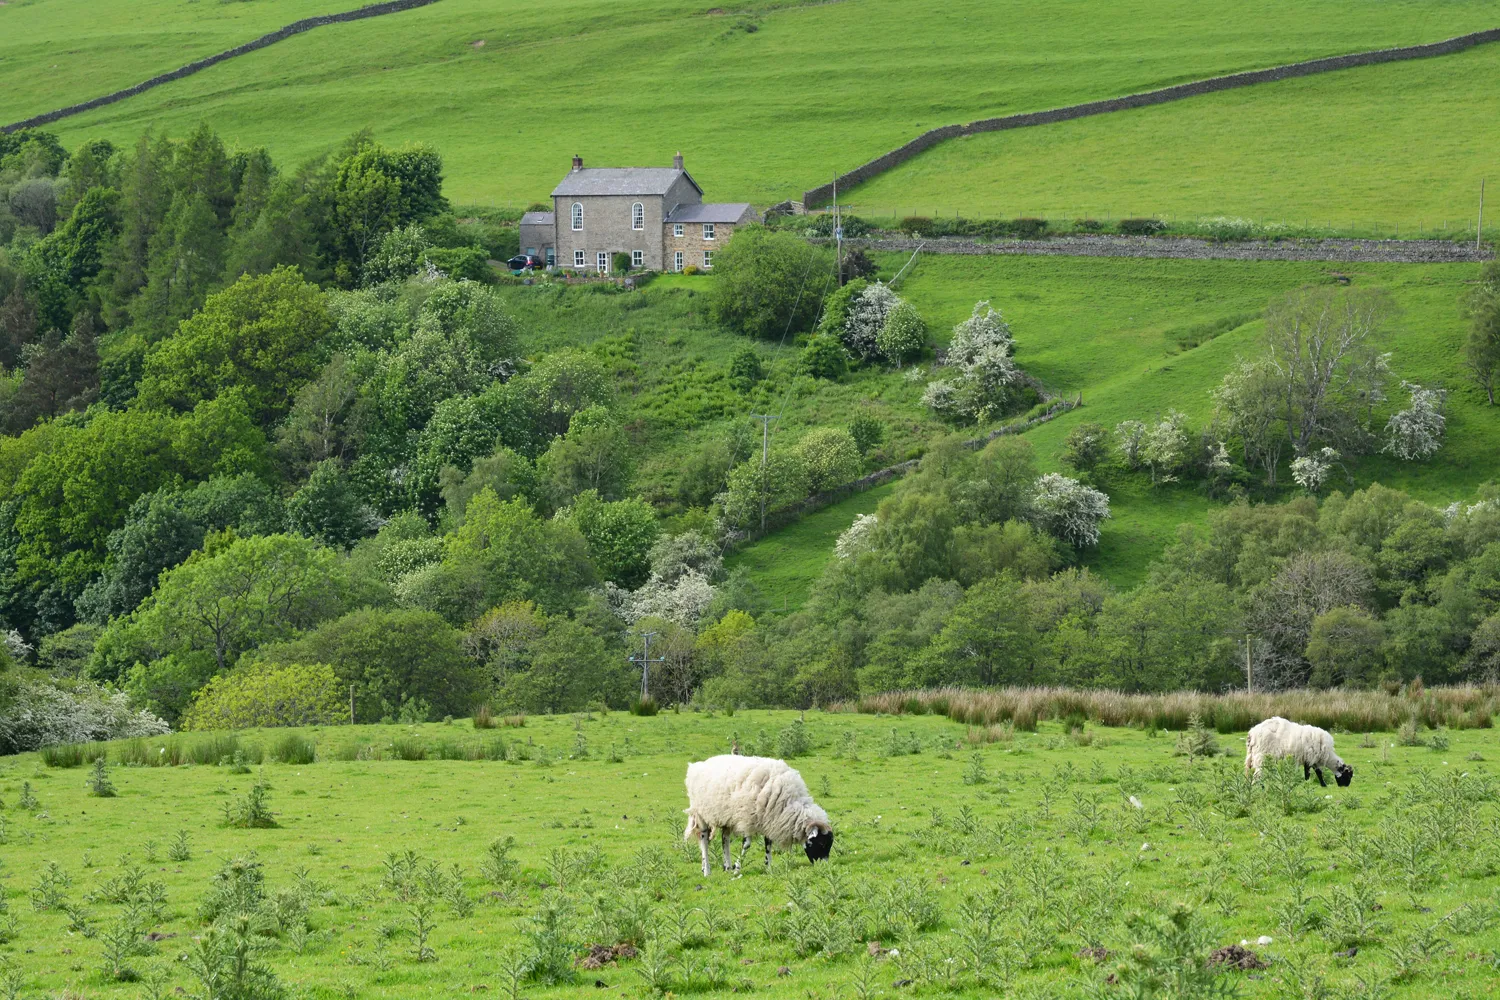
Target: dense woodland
(272, 437)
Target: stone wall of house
(823, 193)
(692, 243)
(607, 228)
(536, 239)
(295, 28)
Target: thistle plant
(98, 780)
(181, 849)
(420, 915)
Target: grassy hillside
(759, 114)
(924, 824)
(1113, 330)
(1344, 149)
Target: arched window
(577, 216)
(637, 216)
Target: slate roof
(538, 218)
(621, 181)
(726, 212)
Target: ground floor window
(531, 251)
(603, 258)
(708, 258)
(637, 258)
(677, 261)
(551, 257)
(577, 258)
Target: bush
(766, 282)
(867, 433)
(643, 706)
(1029, 229)
(42, 715)
(1090, 225)
(691, 269)
(621, 263)
(1140, 227)
(919, 224)
(745, 370)
(824, 357)
(269, 694)
(472, 263)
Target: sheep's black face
(819, 845)
(1343, 774)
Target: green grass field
(997, 860)
(759, 115)
(1339, 150)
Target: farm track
(1186, 248)
(270, 38)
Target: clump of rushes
(484, 718)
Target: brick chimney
(577, 162)
(677, 161)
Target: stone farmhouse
(657, 215)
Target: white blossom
(987, 376)
(1130, 434)
(1417, 431)
(985, 328)
(15, 645)
(1069, 510)
(856, 538)
(1311, 471)
(866, 317)
(42, 715)
(683, 600)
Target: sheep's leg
(1319, 772)
(1307, 772)
(704, 836)
(768, 854)
(745, 846)
(724, 836)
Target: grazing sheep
(1307, 745)
(753, 796)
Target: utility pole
(351, 704)
(765, 446)
(645, 660)
(838, 234)
(1479, 228)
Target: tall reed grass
(1467, 707)
(73, 754)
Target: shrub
(824, 357)
(691, 269)
(643, 706)
(745, 369)
(1091, 225)
(1028, 229)
(1085, 447)
(621, 263)
(42, 715)
(269, 694)
(904, 334)
(867, 433)
(919, 224)
(1140, 227)
(765, 282)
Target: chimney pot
(677, 161)
(577, 162)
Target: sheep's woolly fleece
(1277, 737)
(751, 796)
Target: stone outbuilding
(656, 215)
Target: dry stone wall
(823, 193)
(1338, 251)
(295, 28)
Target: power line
(765, 447)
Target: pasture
(980, 860)
(764, 99)
(1336, 151)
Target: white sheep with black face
(754, 796)
(1307, 745)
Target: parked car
(522, 261)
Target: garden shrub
(269, 694)
(824, 357)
